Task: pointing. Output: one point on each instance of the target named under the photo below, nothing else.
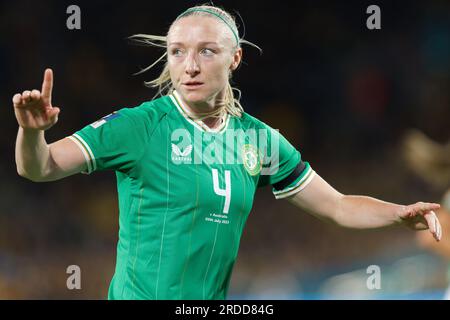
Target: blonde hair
(163, 83)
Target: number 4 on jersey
(223, 192)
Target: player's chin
(195, 96)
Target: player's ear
(237, 57)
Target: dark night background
(342, 94)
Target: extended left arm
(323, 201)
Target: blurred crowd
(342, 94)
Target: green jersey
(185, 192)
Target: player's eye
(207, 51)
(176, 52)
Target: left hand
(420, 216)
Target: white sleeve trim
(87, 153)
(299, 186)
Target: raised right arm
(35, 159)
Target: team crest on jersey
(179, 156)
(251, 159)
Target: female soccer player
(188, 165)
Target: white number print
(223, 192)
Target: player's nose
(192, 66)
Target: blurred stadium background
(342, 94)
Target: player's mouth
(193, 84)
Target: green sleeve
(116, 141)
(283, 161)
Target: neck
(213, 122)
(201, 108)
(206, 111)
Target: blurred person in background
(181, 222)
(431, 161)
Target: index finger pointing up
(47, 86)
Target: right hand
(33, 109)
